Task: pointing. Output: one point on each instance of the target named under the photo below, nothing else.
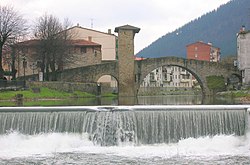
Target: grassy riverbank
(48, 97)
(241, 95)
(44, 93)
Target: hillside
(218, 27)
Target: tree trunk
(1, 62)
(53, 70)
(13, 68)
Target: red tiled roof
(201, 42)
(71, 42)
(29, 43)
(139, 58)
(83, 43)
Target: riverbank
(42, 93)
(242, 96)
(49, 97)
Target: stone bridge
(130, 73)
(199, 69)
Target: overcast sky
(155, 17)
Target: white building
(243, 55)
(169, 76)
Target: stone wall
(152, 91)
(67, 86)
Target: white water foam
(18, 145)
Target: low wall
(150, 91)
(67, 86)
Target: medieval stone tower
(126, 60)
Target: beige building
(107, 40)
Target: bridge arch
(193, 73)
(107, 84)
(199, 69)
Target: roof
(128, 27)
(201, 42)
(139, 58)
(36, 42)
(80, 27)
(83, 43)
(244, 32)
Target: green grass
(240, 94)
(45, 93)
(236, 94)
(109, 95)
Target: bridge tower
(126, 61)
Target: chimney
(109, 31)
(77, 25)
(90, 38)
(242, 28)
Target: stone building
(81, 52)
(203, 51)
(243, 55)
(98, 47)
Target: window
(83, 50)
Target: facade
(108, 42)
(243, 55)
(203, 51)
(169, 76)
(81, 53)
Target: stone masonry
(126, 62)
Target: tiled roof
(83, 43)
(71, 42)
(201, 42)
(96, 31)
(29, 43)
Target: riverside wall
(67, 86)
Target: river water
(64, 148)
(141, 100)
(60, 148)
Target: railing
(11, 85)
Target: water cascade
(138, 125)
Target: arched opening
(171, 80)
(107, 85)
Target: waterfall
(132, 126)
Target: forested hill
(218, 27)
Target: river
(66, 147)
(141, 100)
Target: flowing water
(125, 135)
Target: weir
(107, 126)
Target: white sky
(155, 17)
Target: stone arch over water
(199, 69)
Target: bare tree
(53, 38)
(12, 27)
